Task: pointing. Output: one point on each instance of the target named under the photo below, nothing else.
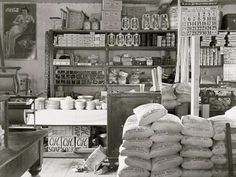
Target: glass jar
(120, 39)
(128, 40)
(155, 21)
(111, 39)
(134, 24)
(146, 21)
(136, 39)
(125, 23)
(164, 21)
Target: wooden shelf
(78, 48)
(154, 66)
(80, 66)
(62, 31)
(141, 48)
(82, 85)
(216, 66)
(128, 85)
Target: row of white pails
(68, 103)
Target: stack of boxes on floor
(196, 147)
(149, 152)
(1, 138)
(111, 14)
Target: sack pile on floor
(158, 144)
(149, 148)
(219, 157)
(196, 146)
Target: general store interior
(117, 88)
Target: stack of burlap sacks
(158, 144)
(219, 157)
(197, 141)
(151, 143)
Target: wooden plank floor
(62, 167)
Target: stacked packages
(1, 138)
(151, 143)
(219, 157)
(196, 143)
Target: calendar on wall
(199, 20)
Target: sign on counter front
(199, 20)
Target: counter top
(68, 117)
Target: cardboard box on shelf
(111, 16)
(133, 11)
(110, 25)
(112, 5)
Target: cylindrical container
(134, 23)
(128, 40)
(136, 39)
(146, 21)
(155, 21)
(95, 25)
(111, 38)
(120, 39)
(87, 25)
(125, 23)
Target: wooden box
(120, 107)
(115, 5)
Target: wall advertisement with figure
(19, 30)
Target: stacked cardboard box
(67, 138)
(111, 14)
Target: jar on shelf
(125, 23)
(155, 21)
(120, 39)
(146, 21)
(136, 39)
(111, 39)
(134, 23)
(128, 40)
(164, 21)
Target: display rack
(104, 64)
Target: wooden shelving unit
(105, 66)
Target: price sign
(199, 20)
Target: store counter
(68, 117)
(25, 149)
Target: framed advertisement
(19, 30)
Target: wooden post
(195, 74)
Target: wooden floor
(62, 167)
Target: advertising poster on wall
(19, 30)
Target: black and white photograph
(118, 88)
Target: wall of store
(36, 68)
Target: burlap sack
(135, 152)
(132, 130)
(169, 122)
(196, 173)
(149, 113)
(166, 162)
(173, 172)
(195, 151)
(138, 142)
(197, 164)
(197, 141)
(136, 162)
(164, 149)
(165, 136)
